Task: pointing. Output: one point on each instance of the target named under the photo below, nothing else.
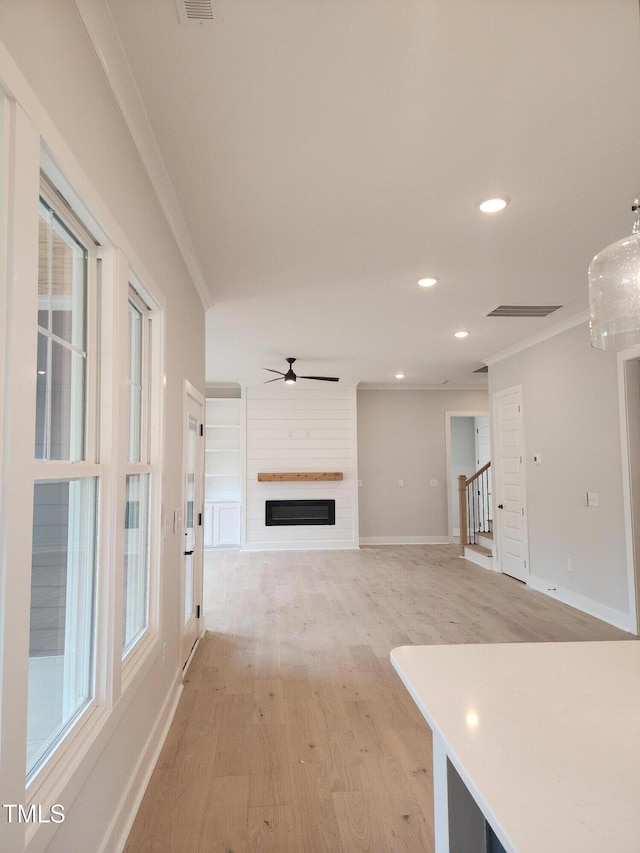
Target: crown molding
(373, 386)
(108, 48)
(539, 338)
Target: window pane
(136, 560)
(44, 267)
(66, 403)
(62, 286)
(61, 633)
(62, 279)
(135, 383)
(42, 398)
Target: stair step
(480, 549)
(483, 535)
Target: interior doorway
(467, 439)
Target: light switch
(537, 459)
(593, 499)
(401, 482)
(177, 520)
(360, 484)
(433, 482)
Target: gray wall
(571, 418)
(401, 436)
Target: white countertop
(546, 736)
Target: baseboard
(404, 540)
(120, 827)
(614, 617)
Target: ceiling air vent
(198, 11)
(523, 310)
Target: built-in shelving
(223, 470)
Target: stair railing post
(462, 501)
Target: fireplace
(287, 513)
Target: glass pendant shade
(614, 292)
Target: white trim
(632, 578)
(405, 540)
(545, 335)
(580, 602)
(103, 35)
(127, 809)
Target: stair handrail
(463, 485)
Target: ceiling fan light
(614, 292)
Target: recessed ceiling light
(399, 375)
(461, 334)
(427, 282)
(493, 205)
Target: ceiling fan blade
(277, 379)
(273, 371)
(322, 378)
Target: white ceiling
(326, 154)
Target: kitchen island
(536, 746)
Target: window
(138, 477)
(66, 488)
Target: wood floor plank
(293, 733)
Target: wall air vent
(199, 11)
(522, 310)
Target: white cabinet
(223, 472)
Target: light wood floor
(293, 733)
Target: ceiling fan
(290, 377)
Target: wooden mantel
(289, 476)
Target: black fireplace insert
(286, 513)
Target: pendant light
(614, 292)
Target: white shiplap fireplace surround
(304, 427)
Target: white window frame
(140, 651)
(86, 468)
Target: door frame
(633, 562)
(498, 484)
(192, 396)
(447, 442)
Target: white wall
(49, 64)
(304, 427)
(401, 436)
(571, 417)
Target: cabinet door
(226, 524)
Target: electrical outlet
(360, 484)
(401, 482)
(569, 564)
(593, 499)
(433, 483)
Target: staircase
(476, 521)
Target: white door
(193, 475)
(508, 481)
